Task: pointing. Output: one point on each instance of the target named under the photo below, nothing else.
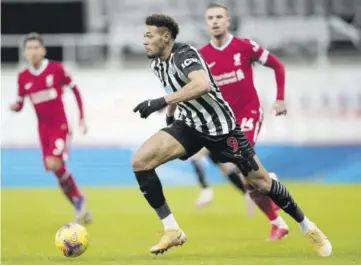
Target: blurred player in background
(43, 81)
(230, 60)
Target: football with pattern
(72, 240)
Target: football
(72, 240)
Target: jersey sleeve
(258, 53)
(21, 90)
(65, 78)
(188, 60)
(263, 56)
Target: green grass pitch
(125, 227)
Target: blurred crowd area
(92, 33)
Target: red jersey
(44, 87)
(231, 67)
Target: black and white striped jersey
(210, 113)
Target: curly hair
(163, 21)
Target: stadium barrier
(319, 139)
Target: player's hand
(15, 107)
(150, 106)
(83, 127)
(279, 107)
(169, 119)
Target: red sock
(68, 184)
(265, 204)
(274, 206)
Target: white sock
(279, 222)
(306, 225)
(170, 223)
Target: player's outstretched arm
(67, 80)
(19, 104)
(273, 62)
(196, 87)
(79, 102)
(270, 60)
(199, 85)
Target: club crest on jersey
(28, 85)
(237, 59)
(49, 80)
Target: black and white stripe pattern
(209, 114)
(280, 195)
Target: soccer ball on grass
(72, 240)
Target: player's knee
(248, 166)
(255, 175)
(137, 162)
(53, 163)
(142, 163)
(260, 181)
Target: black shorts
(233, 147)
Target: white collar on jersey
(40, 70)
(224, 46)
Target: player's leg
(232, 173)
(55, 156)
(172, 142)
(252, 136)
(279, 227)
(69, 187)
(197, 167)
(237, 149)
(235, 177)
(257, 175)
(251, 124)
(206, 194)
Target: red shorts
(55, 140)
(251, 123)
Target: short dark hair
(215, 5)
(161, 20)
(33, 36)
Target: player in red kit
(230, 60)
(42, 82)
